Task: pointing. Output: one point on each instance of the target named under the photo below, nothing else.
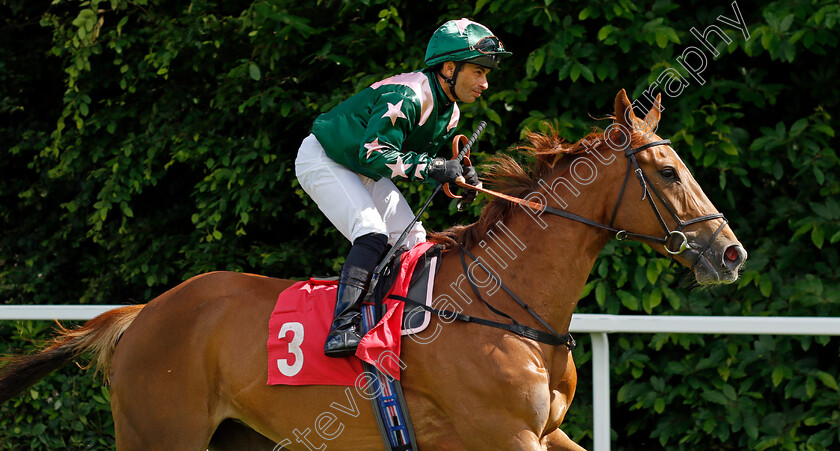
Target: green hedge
(148, 141)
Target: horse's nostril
(733, 256)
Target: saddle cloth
(301, 319)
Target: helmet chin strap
(451, 81)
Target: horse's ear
(655, 113)
(624, 114)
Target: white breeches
(355, 204)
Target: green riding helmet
(467, 41)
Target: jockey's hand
(445, 171)
(471, 177)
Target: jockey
(391, 130)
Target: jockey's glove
(445, 171)
(471, 177)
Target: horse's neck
(545, 260)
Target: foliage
(148, 141)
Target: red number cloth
(301, 319)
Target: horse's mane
(542, 152)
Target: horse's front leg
(558, 440)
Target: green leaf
(254, 71)
(778, 374)
(478, 5)
(661, 39)
(628, 300)
(729, 392)
(604, 32)
(587, 73)
(798, 127)
(780, 130)
(537, 59)
(818, 236)
(601, 292)
(652, 272)
(751, 424)
(801, 230)
(729, 148)
(810, 386)
(786, 23)
(824, 128)
(659, 405)
(824, 210)
(765, 286)
(715, 397)
(828, 380)
(575, 72)
(602, 71)
(493, 116)
(819, 176)
(584, 13)
(655, 297)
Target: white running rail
(598, 326)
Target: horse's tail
(98, 336)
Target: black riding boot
(344, 335)
(359, 265)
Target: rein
(621, 234)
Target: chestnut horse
(188, 369)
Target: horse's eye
(668, 173)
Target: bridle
(620, 234)
(552, 337)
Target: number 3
(294, 348)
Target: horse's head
(661, 199)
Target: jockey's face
(471, 81)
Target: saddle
(300, 322)
(426, 258)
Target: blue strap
(389, 405)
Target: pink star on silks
(398, 168)
(417, 171)
(373, 146)
(395, 112)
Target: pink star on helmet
(373, 146)
(463, 22)
(395, 112)
(462, 25)
(398, 168)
